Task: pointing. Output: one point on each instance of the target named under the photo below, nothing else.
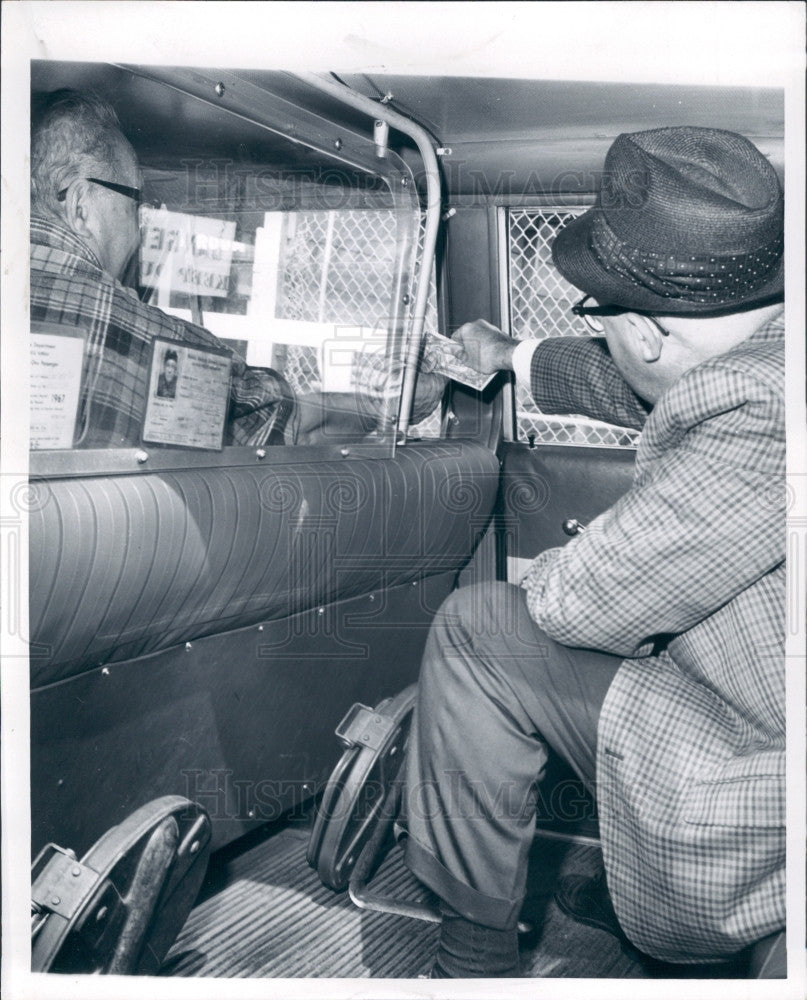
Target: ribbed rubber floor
(273, 918)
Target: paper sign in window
(55, 384)
(189, 395)
(186, 253)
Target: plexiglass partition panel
(266, 300)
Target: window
(540, 300)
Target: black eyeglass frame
(129, 192)
(582, 310)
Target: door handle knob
(571, 526)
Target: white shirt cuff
(522, 361)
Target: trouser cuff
(490, 911)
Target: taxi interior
(202, 620)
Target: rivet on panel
(251, 814)
(261, 453)
(260, 628)
(75, 872)
(188, 647)
(55, 900)
(105, 671)
(141, 456)
(372, 597)
(194, 847)
(320, 611)
(99, 916)
(344, 452)
(337, 144)
(220, 88)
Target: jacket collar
(53, 234)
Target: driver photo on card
(167, 382)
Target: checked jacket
(685, 578)
(69, 288)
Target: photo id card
(189, 395)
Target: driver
(85, 192)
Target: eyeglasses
(129, 192)
(591, 315)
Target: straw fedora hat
(687, 221)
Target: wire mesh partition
(540, 303)
(337, 267)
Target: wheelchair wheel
(120, 908)
(361, 792)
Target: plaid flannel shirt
(685, 577)
(69, 288)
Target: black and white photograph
(404, 499)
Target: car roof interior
(543, 135)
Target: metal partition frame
(268, 109)
(383, 113)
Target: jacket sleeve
(578, 375)
(703, 521)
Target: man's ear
(78, 209)
(648, 338)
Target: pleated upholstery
(127, 565)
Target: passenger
(85, 192)
(648, 651)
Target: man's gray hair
(73, 135)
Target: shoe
(586, 900)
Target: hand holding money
(485, 348)
(475, 353)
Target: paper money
(442, 353)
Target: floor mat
(272, 917)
